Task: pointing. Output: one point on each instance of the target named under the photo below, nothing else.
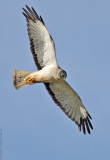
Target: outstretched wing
(69, 101)
(41, 42)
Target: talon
(30, 80)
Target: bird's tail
(19, 78)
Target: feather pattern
(41, 42)
(43, 50)
(69, 101)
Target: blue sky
(33, 127)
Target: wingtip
(89, 116)
(28, 8)
(85, 125)
(79, 127)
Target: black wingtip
(89, 116)
(87, 127)
(26, 6)
(79, 127)
(85, 123)
(31, 14)
(90, 124)
(42, 20)
(25, 15)
(83, 126)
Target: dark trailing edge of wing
(52, 94)
(34, 55)
(83, 122)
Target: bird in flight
(43, 50)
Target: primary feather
(41, 43)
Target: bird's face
(62, 74)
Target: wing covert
(41, 42)
(69, 101)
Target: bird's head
(62, 74)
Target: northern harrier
(43, 51)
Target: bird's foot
(29, 80)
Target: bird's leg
(37, 77)
(29, 80)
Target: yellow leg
(30, 80)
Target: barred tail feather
(18, 78)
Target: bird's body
(49, 73)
